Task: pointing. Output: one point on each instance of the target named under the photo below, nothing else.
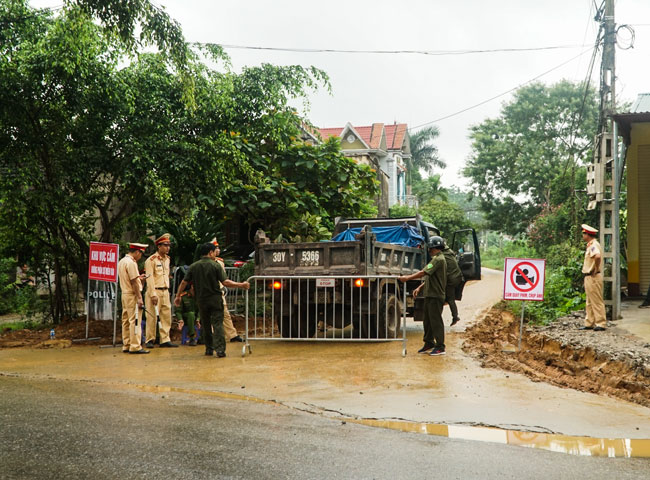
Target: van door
(465, 244)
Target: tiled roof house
(383, 147)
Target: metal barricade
(341, 308)
(233, 295)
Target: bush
(494, 257)
(13, 299)
(563, 290)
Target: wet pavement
(635, 320)
(357, 381)
(54, 429)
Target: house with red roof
(384, 148)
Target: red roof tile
(326, 133)
(395, 136)
(372, 134)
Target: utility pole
(602, 176)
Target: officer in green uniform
(454, 279)
(208, 276)
(433, 289)
(187, 313)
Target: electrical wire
(396, 52)
(503, 93)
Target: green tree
(90, 150)
(138, 23)
(424, 154)
(530, 157)
(429, 188)
(447, 217)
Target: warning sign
(523, 279)
(102, 261)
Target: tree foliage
(447, 217)
(529, 158)
(91, 149)
(429, 188)
(424, 154)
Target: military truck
(353, 302)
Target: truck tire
(390, 318)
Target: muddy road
(357, 381)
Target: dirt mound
(64, 333)
(70, 332)
(612, 362)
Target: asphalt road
(53, 428)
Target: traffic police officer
(592, 271)
(131, 286)
(157, 297)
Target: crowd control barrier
(325, 309)
(233, 295)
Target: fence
(333, 308)
(233, 295)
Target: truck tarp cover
(405, 234)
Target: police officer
(592, 271)
(131, 286)
(157, 297)
(208, 276)
(433, 290)
(454, 279)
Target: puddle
(585, 446)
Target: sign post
(523, 279)
(102, 266)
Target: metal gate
(233, 294)
(334, 308)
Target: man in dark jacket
(208, 276)
(454, 279)
(433, 291)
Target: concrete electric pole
(602, 176)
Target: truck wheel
(390, 318)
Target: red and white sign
(102, 263)
(325, 282)
(523, 279)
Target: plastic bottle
(52, 334)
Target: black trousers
(434, 329)
(212, 326)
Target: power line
(501, 94)
(395, 52)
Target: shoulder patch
(430, 265)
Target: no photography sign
(523, 279)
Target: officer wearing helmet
(433, 291)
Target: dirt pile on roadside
(68, 331)
(612, 362)
(64, 334)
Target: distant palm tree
(424, 154)
(430, 188)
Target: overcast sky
(418, 89)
